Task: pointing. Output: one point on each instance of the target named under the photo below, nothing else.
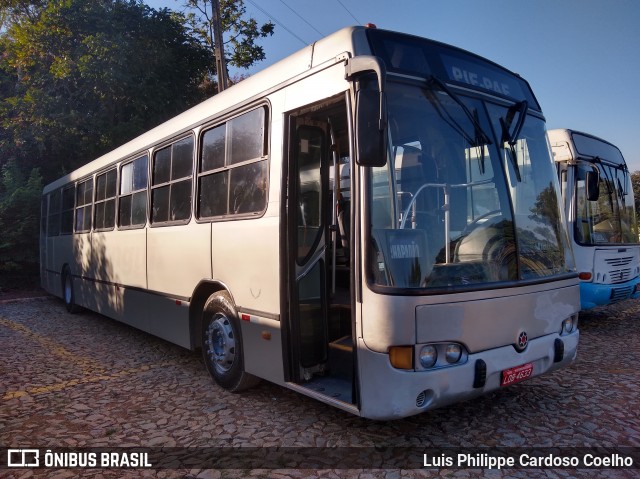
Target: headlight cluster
(427, 356)
(440, 355)
(569, 325)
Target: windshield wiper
(511, 138)
(481, 138)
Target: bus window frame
(228, 165)
(90, 204)
(50, 196)
(129, 161)
(63, 189)
(96, 201)
(151, 186)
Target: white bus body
(603, 229)
(419, 279)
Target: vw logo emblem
(523, 340)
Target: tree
(635, 182)
(89, 75)
(19, 213)
(78, 78)
(242, 32)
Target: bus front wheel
(222, 344)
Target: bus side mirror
(592, 185)
(371, 140)
(371, 111)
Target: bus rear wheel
(222, 344)
(68, 294)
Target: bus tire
(68, 293)
(222, 344)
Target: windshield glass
(611, 218)
(458, 202)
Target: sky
(581, 57)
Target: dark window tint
(213, 148)
(66, 217)
(162, 166)
(105, 208)
(247, 136)
(182, 159)
(53, 220)
(171, 193)
(160, 202)
(233, 171)
(84, 196)
(213, 195)
(248, 186)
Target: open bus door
(319, 329)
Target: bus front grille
(619, 261)
(619, 275)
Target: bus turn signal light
(401, 357)
(585, 276)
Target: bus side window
(53, 220)
(133, 193)
(171, 182)
(68, 197)
(105, 200)
(233, 168)
(84, 200)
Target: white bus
(600, 210)
(436, 267)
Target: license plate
(517, 374)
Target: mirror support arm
(365, 64)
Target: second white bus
(600, 210)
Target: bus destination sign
(482, 76)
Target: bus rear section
(600, 211)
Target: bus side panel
(245, 258)
(103, 272)
(262, 343)
(120, 260)
(62, 252)
(52, 268)
(178, 258)
(80, 266)
(161, 316)
(121, 257)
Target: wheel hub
(221, 344)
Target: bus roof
(325, 51)
(585, 146)
(349, 41)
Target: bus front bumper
(592, 294)
(389, 393)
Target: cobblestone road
(87, 381)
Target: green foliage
(635, 182)
(89, 75)
(242, 32)
(77, 79)
(19, 220)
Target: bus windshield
(467, 196)
(611, 218)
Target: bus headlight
(453, 353)
(569, 325)
(428, 356)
